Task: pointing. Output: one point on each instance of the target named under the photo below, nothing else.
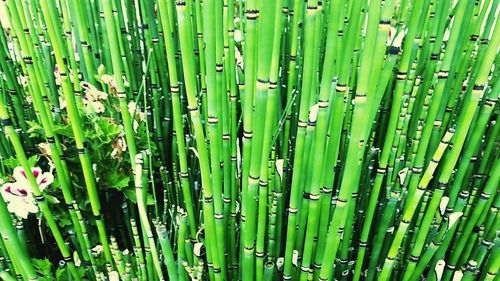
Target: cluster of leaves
(44, 268)
(105, 143)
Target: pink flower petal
(45, 180)
(19, 175)
(36, 172)
(8, 189)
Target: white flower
(76, 258)
(238, 57)
(238, 36)
(98, 107)
(279, 167)
(19, 194)
(136, 114)
(97, 250)
(107, 79)
(44, 148)
(119, 145)
(131, 108)
(93, 106)
(23, 80)
(125, 82)
(93, 98)
(62, 103)
(113, 276)
(57, 75)
(96, 95)
(92, 93)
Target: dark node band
(385, 22)
(485, 195)
(306, 195)
(263, 81)
(314, 197)
(413, 258)
(326, 190)
(416, 170)
(174, 89)
(394, 50)
(441, 186)
(490, 102)
(381, 170)
(7, 122)
(213, 120)
(302, 124)
(252, 14)
(478, 87)
(28, 60)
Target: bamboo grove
(249, 140)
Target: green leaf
(51, 199)
(131, 195)
(64, 130)
(150, 200)
(109, 129)
(105, 131)
(43, 267)
(12, 162)
(62, 274)
(35, 129)
(117, 181)
(33, 160)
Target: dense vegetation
(249, 140)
